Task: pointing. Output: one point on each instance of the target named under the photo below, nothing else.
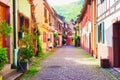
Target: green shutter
(103, 35)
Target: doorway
(5, 16)
(116, 44)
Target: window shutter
(103, 36)
(97, 34)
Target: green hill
(70, 11)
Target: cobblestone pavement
(70, 63)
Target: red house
(85, 26)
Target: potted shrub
(3, 59)
(27, 49)
(25, 54)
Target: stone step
(15, 76)
(8, 73)
(117, 69)
(6, 67)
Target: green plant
(25, 54)
(5, 28)
(63, 41)
(39, 46)
(55, 34)
(28, 39)
(3, 57)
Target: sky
(59, 2)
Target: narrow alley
(70, 63)
(59, 39)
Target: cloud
(59, 2)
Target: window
(45, 15)
(44, 36)
(24, 22)
(100, 33)
(50, 20)
(101, 1)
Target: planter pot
(105, 63)
(23, 66)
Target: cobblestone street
(69, 63)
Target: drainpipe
(15, 50)
(14, 23)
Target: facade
(44, 15)
(47, 21)
(59, 30)
(71, 32)
(93, 24)
(108, 23)
(6, 15)
(93, 29)
(27, 17)
(21, 21)
(85, 26)
(16, 16)
(68, 34)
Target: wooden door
(4, 16)
(116, 44)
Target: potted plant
(27, 49)
(25, 54)
(3, 59)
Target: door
(5, 42)
(116, 44)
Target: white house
(108, 31)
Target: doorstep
(10, 74)
(117, 71)
(113, 72)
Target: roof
(86, 2)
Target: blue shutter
(103, 36)
(97, 34)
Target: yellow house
(21, 16)
(44, 15)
